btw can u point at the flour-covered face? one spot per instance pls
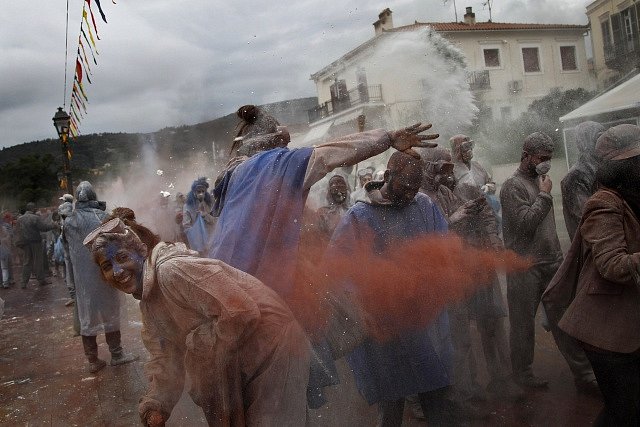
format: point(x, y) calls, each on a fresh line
point(403, 185)
point(122, 268)
point(200, 192)
point(338, 190)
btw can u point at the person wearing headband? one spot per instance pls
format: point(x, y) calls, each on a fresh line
point(245, 354)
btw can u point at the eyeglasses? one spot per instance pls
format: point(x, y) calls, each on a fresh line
point(467, 145)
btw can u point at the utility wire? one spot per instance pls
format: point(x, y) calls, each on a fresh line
point(66, 58)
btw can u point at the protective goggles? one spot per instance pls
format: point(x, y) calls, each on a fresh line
point(467, 145)
point(442, 167)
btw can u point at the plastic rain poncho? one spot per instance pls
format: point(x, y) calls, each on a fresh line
point(98, 303)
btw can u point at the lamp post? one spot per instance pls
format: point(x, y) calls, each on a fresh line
point(61, 121)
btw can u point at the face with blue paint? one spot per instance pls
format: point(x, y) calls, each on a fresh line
point(122, 267)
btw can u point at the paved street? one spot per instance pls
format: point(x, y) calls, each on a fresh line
point(44, 382)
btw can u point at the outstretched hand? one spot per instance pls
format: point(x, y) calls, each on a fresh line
point(405, 139)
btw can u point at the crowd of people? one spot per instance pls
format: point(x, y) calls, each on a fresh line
point(220, 292)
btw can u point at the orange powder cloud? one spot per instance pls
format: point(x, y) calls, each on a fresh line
point(404, 288)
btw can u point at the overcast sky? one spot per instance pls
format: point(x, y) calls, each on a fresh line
point(167, 63)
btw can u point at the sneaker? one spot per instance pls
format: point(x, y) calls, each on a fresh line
point(5, 286)
point(589, 388)
point(506, 389)
point(44, 282)
point(96, 365)
point(69, 302)
point(528, 380)
point(123, 358)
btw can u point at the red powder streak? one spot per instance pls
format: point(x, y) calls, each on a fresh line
point(404, 288)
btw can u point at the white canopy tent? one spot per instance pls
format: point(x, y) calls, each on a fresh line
point(622, 97)
point(618, 105)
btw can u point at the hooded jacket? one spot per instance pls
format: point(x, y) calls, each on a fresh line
point(580, 182)
point(98, 303)
point(247, 357)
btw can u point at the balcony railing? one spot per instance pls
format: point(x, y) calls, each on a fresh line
point(622, 55)
point(360, 95)
point(479, 80)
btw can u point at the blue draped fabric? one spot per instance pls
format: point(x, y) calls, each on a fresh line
point(258, 230)
point(260, 205)
point(420, 360)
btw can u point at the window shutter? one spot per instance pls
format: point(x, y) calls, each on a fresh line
point(634, 28)
point(616, 29)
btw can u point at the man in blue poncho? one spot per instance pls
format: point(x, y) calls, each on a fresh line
point(416, 361)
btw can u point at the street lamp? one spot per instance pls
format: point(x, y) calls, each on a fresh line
point(62, 121)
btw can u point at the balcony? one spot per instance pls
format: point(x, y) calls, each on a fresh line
point(623, 55)
point(479, 80)
point(358, 96)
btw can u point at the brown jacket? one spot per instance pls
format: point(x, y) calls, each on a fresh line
point(605, 311)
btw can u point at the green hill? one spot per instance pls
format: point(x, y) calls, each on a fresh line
point(95, 152)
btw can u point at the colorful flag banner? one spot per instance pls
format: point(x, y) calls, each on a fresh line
point(79, 98)
point(95, 27)
point(104, 18)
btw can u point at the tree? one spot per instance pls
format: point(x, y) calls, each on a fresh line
point(504, 139)
point(31, 178)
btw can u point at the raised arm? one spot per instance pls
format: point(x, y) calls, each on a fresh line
point(351, 149)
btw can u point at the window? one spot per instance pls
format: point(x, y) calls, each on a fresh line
point(629, 30)
point(568, 58)
point(491, 58)
point(606, 34)
point(531, 60)
point(505, 113)
point(628, 24)
point(339, 96)
point(363, 87)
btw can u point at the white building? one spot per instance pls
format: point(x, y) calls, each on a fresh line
point(508, 66)
point(615, 37)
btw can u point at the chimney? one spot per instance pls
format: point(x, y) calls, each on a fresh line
point(384, 22)
point(470, 17)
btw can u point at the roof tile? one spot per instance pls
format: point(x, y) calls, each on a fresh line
point(485, 26)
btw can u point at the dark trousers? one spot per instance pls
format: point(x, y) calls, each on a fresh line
point(434, 405)
point(524, 292)
point(569, 347)
point(618, 376)
point(495, 346)
point(91, 345)
point(32, 261)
